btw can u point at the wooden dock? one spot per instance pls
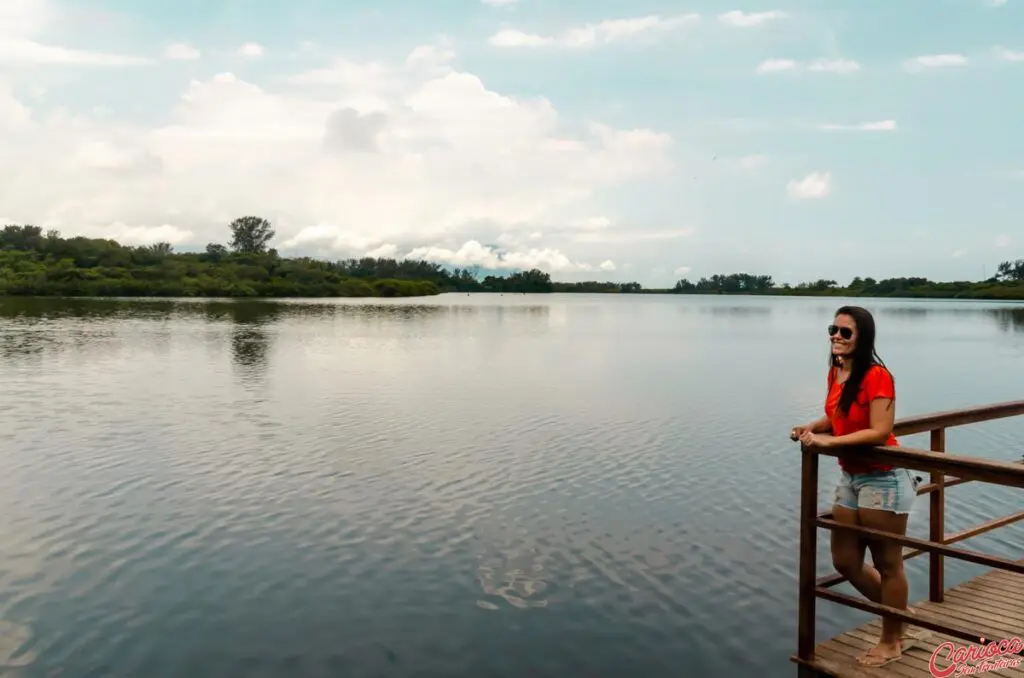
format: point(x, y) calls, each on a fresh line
point(986, 609)
point(992, 603)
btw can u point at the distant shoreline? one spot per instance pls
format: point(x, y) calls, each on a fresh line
point(34, 264)
point(1015, 293)
point(404, 288)
point(648, 292)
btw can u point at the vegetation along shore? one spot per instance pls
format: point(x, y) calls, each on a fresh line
point(34, 263)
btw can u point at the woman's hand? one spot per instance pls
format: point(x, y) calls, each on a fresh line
point(816, 439)
point(798, 431)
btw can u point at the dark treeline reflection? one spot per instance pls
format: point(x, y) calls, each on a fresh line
point(1009, 319)
point(27, 309)
point(737, 311)
point(250, 335)
point(37, 325)
point(1006, 318)
point(240, 311)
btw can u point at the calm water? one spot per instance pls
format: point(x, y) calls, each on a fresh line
point(464, 486)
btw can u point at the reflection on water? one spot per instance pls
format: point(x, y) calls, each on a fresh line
point(1009, 319)
point(251, 334)
point(457, 486)
point(516, 578)
point(250, 348)
point(909, 312)
point(738, 311)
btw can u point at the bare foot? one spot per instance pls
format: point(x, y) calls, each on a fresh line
point(881, 654)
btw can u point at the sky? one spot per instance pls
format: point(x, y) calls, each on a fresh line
point(647, 141)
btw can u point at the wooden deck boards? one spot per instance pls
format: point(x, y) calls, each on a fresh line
point(992, 603)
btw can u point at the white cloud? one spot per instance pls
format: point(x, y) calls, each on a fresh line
point(629, 236)
point(22, 24)
point(430, 55)
point(1003, 240)
point(147, 235)
point(777, 65)
point(181, 52)
point(14, 115)
point(607, 265)
point(958, 254)
point(31, 52)
point(102, 155)
point(251, 49)
point(24, 18)
point(385, 251)
point(878, 126)
point(840, 66)
point(510, 37)
point(1004, 54)
point(352, 158)
point(934, 61)
point(606, 32)
point(995, 3)
point(814, 186)
point(748, 19)
point(472, 253)
point(682, 270)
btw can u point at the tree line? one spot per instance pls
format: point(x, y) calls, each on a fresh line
point(1007, 283)
point(34, 263)
point(45, 264)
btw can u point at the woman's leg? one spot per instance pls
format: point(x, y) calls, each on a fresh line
point(885, 504)
point(848, 548)
point(848, 556)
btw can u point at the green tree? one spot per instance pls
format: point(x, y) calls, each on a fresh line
point(216, 252)
point(684, 286)
point(1011, 270)
point(250, 235)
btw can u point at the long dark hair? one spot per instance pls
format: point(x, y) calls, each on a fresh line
point(864, 354)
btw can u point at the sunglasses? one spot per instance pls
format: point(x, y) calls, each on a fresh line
point(844, 332)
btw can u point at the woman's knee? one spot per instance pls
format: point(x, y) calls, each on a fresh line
point(889, 562)
point(847, 565)
point(847, 548)
point(887, 556)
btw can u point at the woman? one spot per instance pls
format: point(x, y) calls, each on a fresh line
point(859, 410)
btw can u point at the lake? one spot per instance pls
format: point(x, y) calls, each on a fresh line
point(486, 485)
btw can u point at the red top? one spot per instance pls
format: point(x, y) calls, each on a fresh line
point(877, 383)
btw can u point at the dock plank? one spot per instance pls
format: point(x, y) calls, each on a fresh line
point(992, 603)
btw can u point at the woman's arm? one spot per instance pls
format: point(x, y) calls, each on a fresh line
point(822, 425)
point(882, 413)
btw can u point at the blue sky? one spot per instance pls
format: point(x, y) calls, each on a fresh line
point(643, 141)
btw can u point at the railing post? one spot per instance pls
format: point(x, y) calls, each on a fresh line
point(937, 523)
point(808, 556)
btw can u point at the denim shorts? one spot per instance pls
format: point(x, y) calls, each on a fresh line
point(893, 490)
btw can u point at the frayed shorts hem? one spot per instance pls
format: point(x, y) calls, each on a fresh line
point(893, 491)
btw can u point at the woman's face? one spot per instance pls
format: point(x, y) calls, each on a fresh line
point(843, 334)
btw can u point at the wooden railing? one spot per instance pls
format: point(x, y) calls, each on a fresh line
point(941, 465)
